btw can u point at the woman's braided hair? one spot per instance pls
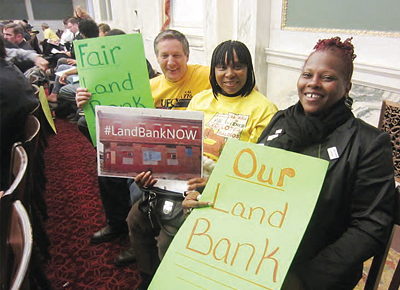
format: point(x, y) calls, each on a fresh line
point(343, 49)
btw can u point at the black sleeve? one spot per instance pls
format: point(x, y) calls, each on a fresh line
point(372, 208)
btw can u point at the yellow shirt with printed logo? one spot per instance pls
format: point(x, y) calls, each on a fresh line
point(243, 118)
point(177, 95)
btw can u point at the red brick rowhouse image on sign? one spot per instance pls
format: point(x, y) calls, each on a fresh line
point(132, 143)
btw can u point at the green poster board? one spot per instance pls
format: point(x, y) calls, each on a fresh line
point(262, 199)
point(46, 109)
point(114, 70)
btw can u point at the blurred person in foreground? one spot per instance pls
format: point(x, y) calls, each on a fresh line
point(17, 99)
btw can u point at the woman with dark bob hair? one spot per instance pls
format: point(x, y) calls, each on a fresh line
point(232, 108)
point(354, 212)
point(224, 54)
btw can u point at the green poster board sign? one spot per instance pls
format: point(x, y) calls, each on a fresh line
point(46, 109)
point(262, 199)
point(114, 70)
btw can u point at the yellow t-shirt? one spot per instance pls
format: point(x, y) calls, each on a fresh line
point(243, 118)
point(50, 34)
point(177, 95)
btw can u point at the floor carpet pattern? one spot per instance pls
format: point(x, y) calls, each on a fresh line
point(75, 213)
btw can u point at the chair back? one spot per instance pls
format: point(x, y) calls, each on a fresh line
point(18, 169)
point(379, 260)
point(35, 88)
point(32, 128)
point(395, 282)
point(389, 122)
point(6, 205)
point(36, 177)
point(20, 242)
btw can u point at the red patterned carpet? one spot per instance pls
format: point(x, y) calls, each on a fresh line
point(75, 213)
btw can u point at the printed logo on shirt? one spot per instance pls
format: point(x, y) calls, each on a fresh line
point(182, 102)
point(228, 125)
point(219, 129)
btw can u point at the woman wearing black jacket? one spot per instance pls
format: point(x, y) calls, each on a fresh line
point(353, 215)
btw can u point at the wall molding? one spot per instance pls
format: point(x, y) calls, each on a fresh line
point(379, 77)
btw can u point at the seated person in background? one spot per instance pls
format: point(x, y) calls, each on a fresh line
point(73, 26)
point(353, 215)
point(14, 33)
point(27, 59)
point(80, 13)
point(232, 80)
point(67, 36)
point(24, 24)
point(34, 42)
point(104, 28)
point(48, 33)
point(66, 97)
point(17, 99)
point(51, 40)
point(30, 35)
point(65, 78)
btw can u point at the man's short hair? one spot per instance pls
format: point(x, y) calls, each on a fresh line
point(66, 18)
point(73, 21)
point(104, 27)
point(16, 28)
point(45, 25)
point(171, 34)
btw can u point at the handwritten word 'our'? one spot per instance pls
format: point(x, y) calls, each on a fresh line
point(290, 172)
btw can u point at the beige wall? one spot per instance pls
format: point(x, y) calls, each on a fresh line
point(278, 54)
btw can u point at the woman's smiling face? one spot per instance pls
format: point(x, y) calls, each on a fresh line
point(231, 77)
point(322, 83)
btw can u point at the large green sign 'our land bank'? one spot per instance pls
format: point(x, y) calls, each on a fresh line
point(114, 70)
point(262, 200)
